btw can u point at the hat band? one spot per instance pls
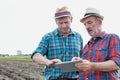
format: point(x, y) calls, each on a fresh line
point(89, 14)
point(62, 13)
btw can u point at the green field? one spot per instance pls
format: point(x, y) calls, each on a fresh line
point(20, 58)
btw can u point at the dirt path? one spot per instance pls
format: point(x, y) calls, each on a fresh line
point(20, 70)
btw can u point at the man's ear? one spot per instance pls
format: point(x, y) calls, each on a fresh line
point(100, 21)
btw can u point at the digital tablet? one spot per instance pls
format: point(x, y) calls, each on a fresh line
point(68, 66)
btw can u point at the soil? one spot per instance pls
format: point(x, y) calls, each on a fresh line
point(20, 70)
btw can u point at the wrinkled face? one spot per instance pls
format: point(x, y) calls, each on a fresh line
point(93, 25)
point(64, 24)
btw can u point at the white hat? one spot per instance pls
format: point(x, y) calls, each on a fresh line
point(91, 12)
point(62, 12)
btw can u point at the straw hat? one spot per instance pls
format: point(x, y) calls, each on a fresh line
point(62, 12)
point(91, 12)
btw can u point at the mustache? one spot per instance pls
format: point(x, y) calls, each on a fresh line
point(89, 29)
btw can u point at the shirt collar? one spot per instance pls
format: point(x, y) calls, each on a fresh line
point(101, 35)
point(56, 32)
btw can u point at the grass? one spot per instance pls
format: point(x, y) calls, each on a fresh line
point(17, 58)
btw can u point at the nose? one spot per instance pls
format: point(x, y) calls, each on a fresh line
point(63, 25)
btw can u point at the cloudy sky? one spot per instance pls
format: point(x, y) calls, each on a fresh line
point(24, 22)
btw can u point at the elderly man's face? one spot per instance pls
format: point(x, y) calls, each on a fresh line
point(64, 24)
point(92, 25)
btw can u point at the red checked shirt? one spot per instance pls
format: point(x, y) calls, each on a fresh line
point(102, 48)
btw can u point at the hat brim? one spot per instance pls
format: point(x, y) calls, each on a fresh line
point(62, 16)
point(97, 15)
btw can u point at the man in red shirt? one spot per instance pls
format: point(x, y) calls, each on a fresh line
point(101, 55)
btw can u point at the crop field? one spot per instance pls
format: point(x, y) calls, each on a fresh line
point(20, 68)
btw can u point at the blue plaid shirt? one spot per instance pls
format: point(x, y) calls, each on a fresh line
point(56, 46)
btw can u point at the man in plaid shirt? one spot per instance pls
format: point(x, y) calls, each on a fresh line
point(101, 55)
point(62, 44)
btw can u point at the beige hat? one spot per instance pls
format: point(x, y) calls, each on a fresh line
point(91, 12)
point(62, 12)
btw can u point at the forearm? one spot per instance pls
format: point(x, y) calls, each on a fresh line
point(104, 66)
point(39, 59)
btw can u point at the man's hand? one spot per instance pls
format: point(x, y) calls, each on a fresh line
point(52, 62)
point(85, 65)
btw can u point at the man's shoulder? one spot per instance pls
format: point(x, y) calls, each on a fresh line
point(112, 35)
point(108, 35)
point(50, 34)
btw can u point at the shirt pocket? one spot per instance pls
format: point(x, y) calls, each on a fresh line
point(101, 54)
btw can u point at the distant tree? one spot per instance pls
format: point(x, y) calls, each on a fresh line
point(4, 55)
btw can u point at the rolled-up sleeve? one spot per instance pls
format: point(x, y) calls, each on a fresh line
point(115, 49)
point(42, 47)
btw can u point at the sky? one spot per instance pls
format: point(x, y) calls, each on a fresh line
point(24, 22)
